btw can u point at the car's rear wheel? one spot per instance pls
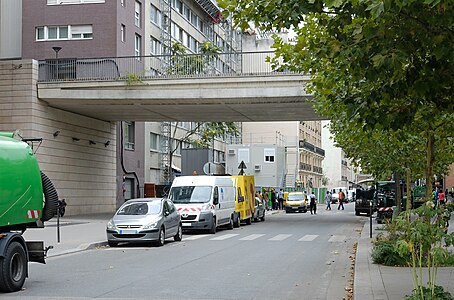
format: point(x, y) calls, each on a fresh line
point(179, 236)
point(161, 237)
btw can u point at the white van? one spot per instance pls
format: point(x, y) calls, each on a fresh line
point(204, 202)
point(335, 193)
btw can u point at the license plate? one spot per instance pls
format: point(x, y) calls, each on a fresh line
point(295, 207)
point(128, 232)
point(186, 224)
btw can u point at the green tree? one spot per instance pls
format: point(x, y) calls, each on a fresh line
point(388, 64)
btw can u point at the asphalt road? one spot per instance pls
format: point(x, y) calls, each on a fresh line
point(289, 256)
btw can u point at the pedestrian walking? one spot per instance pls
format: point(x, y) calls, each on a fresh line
point(274, 199)
point(328, 200)
point(280, 199)
point(266, 199)
point(341, 199)
point(441, 197)
point(313, 203)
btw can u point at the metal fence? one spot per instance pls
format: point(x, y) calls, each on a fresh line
point(134, 68)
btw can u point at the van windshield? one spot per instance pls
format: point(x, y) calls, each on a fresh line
point(190, 194)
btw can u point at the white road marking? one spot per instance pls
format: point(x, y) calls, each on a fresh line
point(280, 237)
point(194, 237)
point(224, 237)
point(337, 238)
point(251, 237)
point(308, 238)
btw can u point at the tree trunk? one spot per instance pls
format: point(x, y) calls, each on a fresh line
point(429, 163)
point(398, 193)
point(408, 205)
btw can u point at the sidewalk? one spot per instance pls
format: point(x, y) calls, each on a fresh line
point(77, 233)
point(377, 282)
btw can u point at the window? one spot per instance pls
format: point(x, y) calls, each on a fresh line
point(269, 155)
point(154, 141)
point(81, 32)
point(155, 15)
point(67, 32)
point(155, 46)
point(129, 133)
point(194, 19)
point(187, 12)
point(178, 6)
point(243, 155)
point(138, 46)
point(123, 33)
point(138, 8)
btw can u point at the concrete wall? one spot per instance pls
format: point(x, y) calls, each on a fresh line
point(83, 173)
point(10, 29)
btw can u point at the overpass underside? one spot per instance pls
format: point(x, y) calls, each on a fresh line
point(238, 98)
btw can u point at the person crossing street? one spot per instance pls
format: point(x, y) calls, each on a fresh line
point(341, 199)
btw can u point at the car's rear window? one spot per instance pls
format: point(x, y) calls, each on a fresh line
point(140, 208)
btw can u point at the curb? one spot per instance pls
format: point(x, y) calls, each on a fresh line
point(368, 282)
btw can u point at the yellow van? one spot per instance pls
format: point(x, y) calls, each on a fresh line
point(296, 202)
point(244, 199)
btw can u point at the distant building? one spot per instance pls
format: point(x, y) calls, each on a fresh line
point(265, 161)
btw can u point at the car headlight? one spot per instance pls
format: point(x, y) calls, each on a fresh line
point(151, 225)
point(110, 224)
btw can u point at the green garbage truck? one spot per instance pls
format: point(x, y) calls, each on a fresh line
point(27, 199)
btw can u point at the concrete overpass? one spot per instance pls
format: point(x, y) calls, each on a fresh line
point(258, 98)
point(102, 89)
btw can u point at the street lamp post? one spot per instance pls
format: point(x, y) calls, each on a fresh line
point(56, 49)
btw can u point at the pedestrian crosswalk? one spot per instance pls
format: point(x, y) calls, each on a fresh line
point(269, 237)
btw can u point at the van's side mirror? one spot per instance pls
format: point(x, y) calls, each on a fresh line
point(215, 200)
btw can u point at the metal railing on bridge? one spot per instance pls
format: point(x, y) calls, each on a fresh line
point(137, 68)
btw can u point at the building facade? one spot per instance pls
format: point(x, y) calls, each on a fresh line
point(97, 165)
point(302, 144)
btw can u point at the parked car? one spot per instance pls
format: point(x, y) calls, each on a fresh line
point(145, 220)
point(259, 212)
point(296, 202)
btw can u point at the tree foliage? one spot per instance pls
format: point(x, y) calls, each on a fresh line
point(380, 69)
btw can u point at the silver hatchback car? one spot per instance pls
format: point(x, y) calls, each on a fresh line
point(145, 220)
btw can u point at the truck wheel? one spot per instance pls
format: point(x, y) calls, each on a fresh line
point(230, 225)
point(213, 226)
point(237, 222)
point(13, 268)
point(356, 213)
point(50, 197)
point(249, 221)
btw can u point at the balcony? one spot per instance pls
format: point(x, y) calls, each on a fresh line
point(305, 167)
point(318, 170)
point(311, 148)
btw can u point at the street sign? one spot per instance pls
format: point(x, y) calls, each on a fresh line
point(209, 168)
point(242, 166)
